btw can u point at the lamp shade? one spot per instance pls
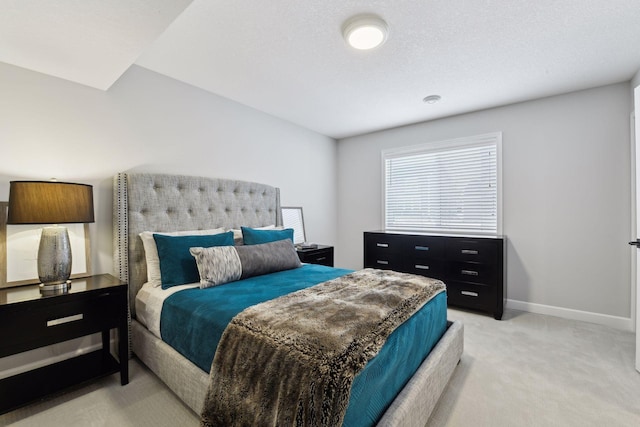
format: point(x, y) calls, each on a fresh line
point(49, 202)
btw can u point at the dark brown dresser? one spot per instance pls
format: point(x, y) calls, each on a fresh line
point(472, 267)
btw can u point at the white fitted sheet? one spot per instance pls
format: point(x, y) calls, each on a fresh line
point(149, 301)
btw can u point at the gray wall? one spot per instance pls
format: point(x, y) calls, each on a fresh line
point(566, 195)
point(635, 80)
point(147, 122)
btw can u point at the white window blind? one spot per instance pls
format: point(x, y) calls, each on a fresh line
point(449, 186)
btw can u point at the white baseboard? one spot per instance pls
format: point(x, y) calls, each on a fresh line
point(622, 323)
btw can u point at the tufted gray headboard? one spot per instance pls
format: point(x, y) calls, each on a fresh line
point(161, 202)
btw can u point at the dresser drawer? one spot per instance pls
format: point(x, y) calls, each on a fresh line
point(383, 251)
point(426, 267)
point(423, 246)
point(470, 295)
point(43, 324)
point(474, 250)
point(472, 272)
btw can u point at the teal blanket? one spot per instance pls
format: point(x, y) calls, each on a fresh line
point(193, 321)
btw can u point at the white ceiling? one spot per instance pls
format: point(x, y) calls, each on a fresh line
point(287, 57)
point(92, 42)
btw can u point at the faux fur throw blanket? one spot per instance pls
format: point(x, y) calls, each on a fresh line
point(291, 361)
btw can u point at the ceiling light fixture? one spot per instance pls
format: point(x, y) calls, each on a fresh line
point(365, 32)
point(431, 99)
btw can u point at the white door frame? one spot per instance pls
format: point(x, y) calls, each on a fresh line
point(635, 226)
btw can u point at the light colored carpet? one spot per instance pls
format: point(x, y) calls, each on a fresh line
point(526, 370)
point(535, 370)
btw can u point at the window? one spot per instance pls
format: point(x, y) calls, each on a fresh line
point(448, 187)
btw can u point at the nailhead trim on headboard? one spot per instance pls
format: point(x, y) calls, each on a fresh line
point(120, 231)
point(121, 238)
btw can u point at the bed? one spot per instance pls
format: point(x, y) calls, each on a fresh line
point(168, 203)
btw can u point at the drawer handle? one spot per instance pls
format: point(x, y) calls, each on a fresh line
point(322, 258)
point(469, 252)
point(422, 248)
point(64, 320)
point(382, 262)
point(469, 293)
point(422, 267)
point(469, 272)
point(382, 245)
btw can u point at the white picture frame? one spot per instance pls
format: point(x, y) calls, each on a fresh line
point(292, 217)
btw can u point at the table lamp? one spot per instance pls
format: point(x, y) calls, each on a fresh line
point(51, 202)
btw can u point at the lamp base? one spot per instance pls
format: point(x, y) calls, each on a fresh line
point(59, 288)
point(54, 257)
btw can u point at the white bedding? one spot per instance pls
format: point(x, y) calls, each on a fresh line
point(149, 302)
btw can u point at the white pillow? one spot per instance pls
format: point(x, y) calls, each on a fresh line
point(151, 252)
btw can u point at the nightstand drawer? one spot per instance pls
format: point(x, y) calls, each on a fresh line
point(43, 324)
point(470, 295)
point(322, 258)
point(322, 255)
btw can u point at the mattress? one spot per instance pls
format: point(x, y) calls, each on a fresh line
point(192, 320)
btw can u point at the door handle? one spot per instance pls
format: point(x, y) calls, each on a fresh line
point(635, 242)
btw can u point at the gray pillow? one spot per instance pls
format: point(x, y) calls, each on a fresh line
point(223, 264)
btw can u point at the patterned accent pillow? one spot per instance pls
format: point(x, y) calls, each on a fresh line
point(219, 265)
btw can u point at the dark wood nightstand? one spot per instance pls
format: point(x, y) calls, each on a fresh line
point(29, 319)
point(322, 255)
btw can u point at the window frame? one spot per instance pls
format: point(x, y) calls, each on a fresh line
point(444, 145)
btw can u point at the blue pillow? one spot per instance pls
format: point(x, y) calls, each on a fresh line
point(251, 236)
point(177, 266)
